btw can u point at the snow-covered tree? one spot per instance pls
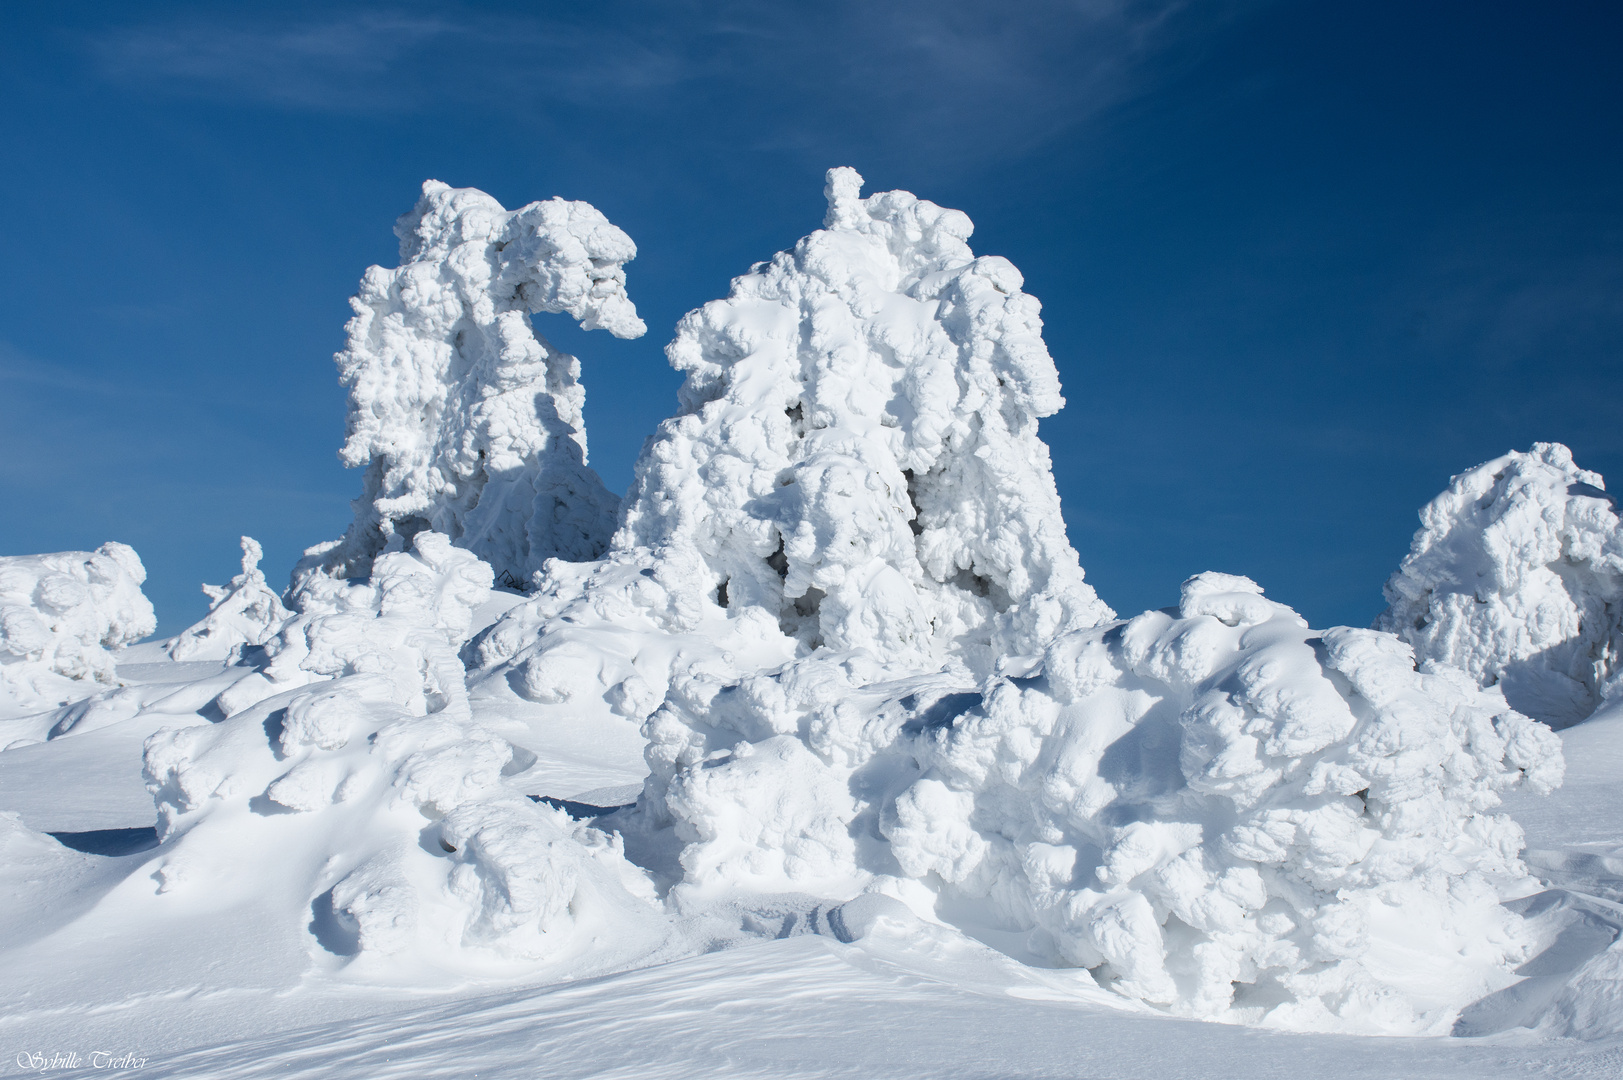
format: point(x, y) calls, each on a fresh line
point(466, 421)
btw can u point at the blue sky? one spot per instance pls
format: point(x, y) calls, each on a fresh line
point(1299, 262)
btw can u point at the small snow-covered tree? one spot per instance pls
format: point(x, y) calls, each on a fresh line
point(467, 421)
point(1516, 578)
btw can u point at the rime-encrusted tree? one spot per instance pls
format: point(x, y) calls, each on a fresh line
point(1516, 578)
point(857, 446)
point(468, 422)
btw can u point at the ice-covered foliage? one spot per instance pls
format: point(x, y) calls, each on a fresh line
point(1516, 578)
point(468, 422)
point(361, 723)
point(63, 615)
point(1218, 811)
point(857, 449)
point(244, 612)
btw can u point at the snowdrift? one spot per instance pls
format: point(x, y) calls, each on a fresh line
point(1515, 578)
point(875, 687)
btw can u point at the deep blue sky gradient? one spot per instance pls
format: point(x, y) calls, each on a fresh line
point(1299, 262)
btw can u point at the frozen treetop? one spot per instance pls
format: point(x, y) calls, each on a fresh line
point(857, 445)
point(467, 422)
point(1514, 578)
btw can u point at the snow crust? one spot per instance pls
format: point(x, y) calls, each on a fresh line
point(467, 421)
point(1516, 578)
point(63, 617)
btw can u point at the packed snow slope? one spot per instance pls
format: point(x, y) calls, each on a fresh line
point(826, 712)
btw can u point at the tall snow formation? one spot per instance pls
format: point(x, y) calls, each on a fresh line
point(1516, 578)
point(63, 615)
point(244, 612)
point(1218, 811)
point(468, 422)
point(857, 451)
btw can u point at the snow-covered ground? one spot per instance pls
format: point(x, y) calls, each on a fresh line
point(816, 756)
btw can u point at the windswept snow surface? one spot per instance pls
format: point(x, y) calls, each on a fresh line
point(828, 762)
point(1516, 578)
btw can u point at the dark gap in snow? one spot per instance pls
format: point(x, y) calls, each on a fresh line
point(721, 593)
point(940, 713)
point(778, 561)
point(913, 501)
point(332, 930)
point(112, 842)
point(578, 810)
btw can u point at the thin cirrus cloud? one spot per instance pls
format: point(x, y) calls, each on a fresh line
point(909, 74)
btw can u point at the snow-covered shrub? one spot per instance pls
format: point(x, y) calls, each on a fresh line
point(1516, 578)
point(467, 422)
point(244, 612)
point(411, 841)
point(61, 617)
point(1221, 812)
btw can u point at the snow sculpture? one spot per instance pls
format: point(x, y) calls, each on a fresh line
point(857, 449)
point(1515, 578)
point(61, 617)
point(1220, 812)
point(469, 423)
point(362, 723)
point(244, 612)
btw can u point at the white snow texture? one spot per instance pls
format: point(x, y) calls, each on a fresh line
point(840, 601)
point(1515, 578)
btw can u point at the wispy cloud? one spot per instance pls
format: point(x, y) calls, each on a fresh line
point(911, 72)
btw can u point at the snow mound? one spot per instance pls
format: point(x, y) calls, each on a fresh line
point(468, 422)
point(857, 451)
point(1515, 578)
point(61, 618)
point(244, 612)
point(1219, 811)
point(408, 842)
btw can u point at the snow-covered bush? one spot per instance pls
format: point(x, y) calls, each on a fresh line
point(244, 612)
point(61, 617)
point(410, 841)
point(1516, 578)
point(467, 422)
point(1221, 812)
